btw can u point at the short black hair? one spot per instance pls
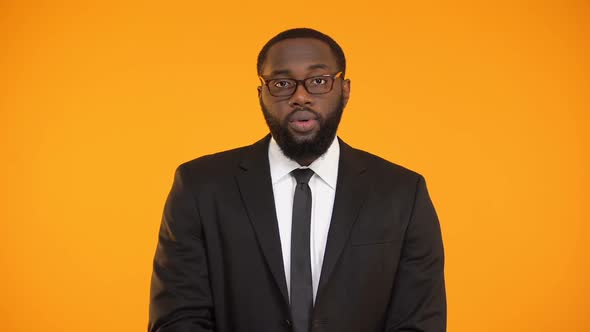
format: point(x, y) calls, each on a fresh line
point(303, 33)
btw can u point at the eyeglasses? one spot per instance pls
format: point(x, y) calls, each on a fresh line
point(286, 87)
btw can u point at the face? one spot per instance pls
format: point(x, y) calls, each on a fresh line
point(303, 124)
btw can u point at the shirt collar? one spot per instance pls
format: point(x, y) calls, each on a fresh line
point(325, 166)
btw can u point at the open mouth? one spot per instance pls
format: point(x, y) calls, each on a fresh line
point(303, 121)
point(303, 126)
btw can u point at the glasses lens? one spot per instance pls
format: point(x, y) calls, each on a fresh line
point(282, 87)
point(319, 84)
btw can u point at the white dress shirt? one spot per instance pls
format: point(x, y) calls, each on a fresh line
point(323, 190)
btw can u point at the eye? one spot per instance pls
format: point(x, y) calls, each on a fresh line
point(318, 81)
point(282, 84)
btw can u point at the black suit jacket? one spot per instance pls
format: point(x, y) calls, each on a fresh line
point(218, 264)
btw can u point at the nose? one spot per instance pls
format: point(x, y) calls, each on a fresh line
point(300, 97)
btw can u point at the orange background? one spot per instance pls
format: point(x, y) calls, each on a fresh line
point(99, 103)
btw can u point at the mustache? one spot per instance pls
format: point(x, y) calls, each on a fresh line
point(303, 109)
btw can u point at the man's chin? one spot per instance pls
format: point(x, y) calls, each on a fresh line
point(303, 138)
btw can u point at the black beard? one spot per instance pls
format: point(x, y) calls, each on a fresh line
point(309, 149)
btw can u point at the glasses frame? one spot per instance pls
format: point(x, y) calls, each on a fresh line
point(265, 82)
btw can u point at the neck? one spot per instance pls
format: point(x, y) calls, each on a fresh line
point(305, 161)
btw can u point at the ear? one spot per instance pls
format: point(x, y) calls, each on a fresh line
point(345, 91)
point(259, 88)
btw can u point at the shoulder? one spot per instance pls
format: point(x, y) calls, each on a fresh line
point(213, 170)
point(388, 180)
point(216, 163)
point(381, 167)
point(221, 166)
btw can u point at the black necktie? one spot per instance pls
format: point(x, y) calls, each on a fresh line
point(301, 288)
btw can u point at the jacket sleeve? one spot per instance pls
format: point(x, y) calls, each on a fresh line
point(418, 298)
point(180, 294)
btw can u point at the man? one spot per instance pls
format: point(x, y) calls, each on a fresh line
point(298, 231)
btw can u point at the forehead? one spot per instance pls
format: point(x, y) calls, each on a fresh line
point(299, 56)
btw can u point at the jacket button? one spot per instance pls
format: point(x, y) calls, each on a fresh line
point(288, 323)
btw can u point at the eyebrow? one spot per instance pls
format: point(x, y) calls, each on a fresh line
point(288, 72)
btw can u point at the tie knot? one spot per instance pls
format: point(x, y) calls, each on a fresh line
point(302, 175)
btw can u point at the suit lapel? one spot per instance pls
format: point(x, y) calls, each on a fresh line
point(255, 186)
point(351, 189)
